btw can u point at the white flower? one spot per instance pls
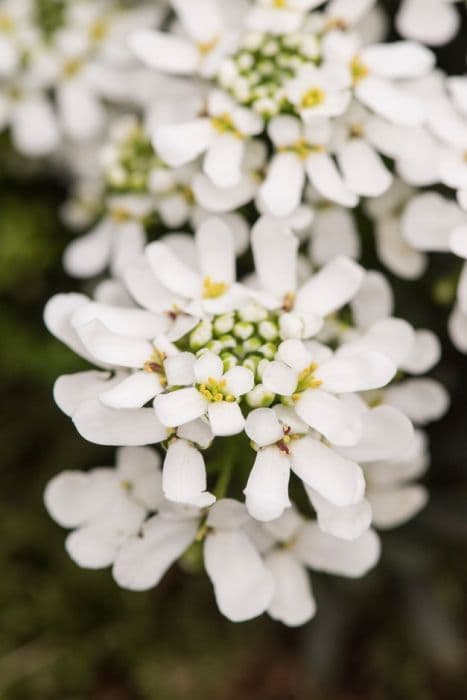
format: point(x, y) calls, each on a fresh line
point(318, 92)
point(377, 71)
point(279, 17)
point(215, 394)
point(296, 544)
point(210, 28)
point(314, 387)
point(222, 135)
point(105, 506)
point(243, 586)
point(284, 442)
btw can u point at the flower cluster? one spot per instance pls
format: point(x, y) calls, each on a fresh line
point(232, 325)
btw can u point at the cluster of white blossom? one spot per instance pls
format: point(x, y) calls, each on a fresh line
point(227, 155)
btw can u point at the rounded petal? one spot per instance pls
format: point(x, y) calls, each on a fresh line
point(242, 584)
point(164, 51)
point(133, 392)
point(281, 191)
point(399, 59)
point(113, 348)
point(360, 372)
point(178, 144)
point(293, 602)
point(71, 390)
point(275, 253)
point(332, 555)
point(422, 400)
point(94, 546)
point(208, 366)
point(267, 488)
point(110, 426)
point(362, 168)
point(346, 523)
point(263, 427)
point(326, 178)
point(335, 478)
point(180, 406)
point(330, 288)
point(89, 255)
point(184, 475)
point(223, 160)
point(239, 381)
point(279, 378)
point(226, 418)
point(394, 506)
point(387, 434)
point(330, 416)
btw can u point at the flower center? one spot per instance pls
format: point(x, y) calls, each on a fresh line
point(130, 159)
point(72, 67)
point(284, 443)
point(257, 75)
point(224, 124)
point(213, 290)
point(155, 365)
point(214, 390)
point(6, 23)
point(358, 69)
point(98, 31)
point(306, 380)
point(313, 98)
point(302, 149)
point(205, 47)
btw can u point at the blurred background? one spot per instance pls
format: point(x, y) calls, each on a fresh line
point(70, 634)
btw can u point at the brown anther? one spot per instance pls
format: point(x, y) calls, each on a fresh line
point(288, 302)
point(283, 447)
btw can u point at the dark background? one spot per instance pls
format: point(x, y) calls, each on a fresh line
point(70, 634)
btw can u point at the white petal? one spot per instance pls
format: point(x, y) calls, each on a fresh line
point(227, 514)
point(393, 337)
point(239, 381)
point(208, 366)
point(34, 129)
point(293, 602)
point(425, 353)
point(390, 101)
point(225, 418)
point(372, 301)
point(458, 329)
point(88, 255)
point(197, 431)
point(349, 12)
point(335, 478)
point(267, 488)
point(113, 348)
point(325, 176)
point(70, 390)
point(82, 113)
point(331, 288)
point(458, 241)
point(346, 523)
point(223, 199)
point(133, 392)
point(130, 239)
point(263, 427)
point(178, 144)
point(223, 160)
point(164, 51)
point(329, 416)
point(275, 254)
point(394, 506)
point(362, 168)
point(216, 251)
point(179, 369)
point(94, 546)
point(422, 400)
point(399, 59)
point(280, 379)
point(172, 272)
point(184, 475)
point(335, 556)
point(284, 130)
point(57, 318)
point(428, 220)
point(282, 190)
point(432, 22)
point(180, 406)
point(73, 498)
point(294, 354)
point(334, 233)
point(131, 322)
point(359, 372)
point(387, 434)
point(200, 18)
point(146, 289)
point(142, 561)
point(242, 585)
point(140, 467)
point(109, 426)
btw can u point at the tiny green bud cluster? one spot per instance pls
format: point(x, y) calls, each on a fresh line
point(129, 159)
point(257, 74)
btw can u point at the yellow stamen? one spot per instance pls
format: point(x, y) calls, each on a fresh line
point(289, 301)
point(279, 3)
point(6, 23)
point(358, 69)
point(356, 131)
point(224, 124)
point(98, 30)
point(120, 214)
point(213, 290)
point(72, 67)
point(312, 98)
point(205, 47)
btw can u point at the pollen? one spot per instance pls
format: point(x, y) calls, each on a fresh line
point(358, 69)
point(289, 301)
point(205, 47)
point(72, 67)
point(313, 98)
point(98, 30)
point(213, 290)
point(224, 124)
point(6, 23)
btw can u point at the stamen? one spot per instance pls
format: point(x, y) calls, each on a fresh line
point(213, 290)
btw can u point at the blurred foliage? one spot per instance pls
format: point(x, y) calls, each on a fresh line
point(69, 634)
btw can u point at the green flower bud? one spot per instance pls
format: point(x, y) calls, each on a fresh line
point(223, 324)
point(243, 330)
point(260, 397)
point(201, 335)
